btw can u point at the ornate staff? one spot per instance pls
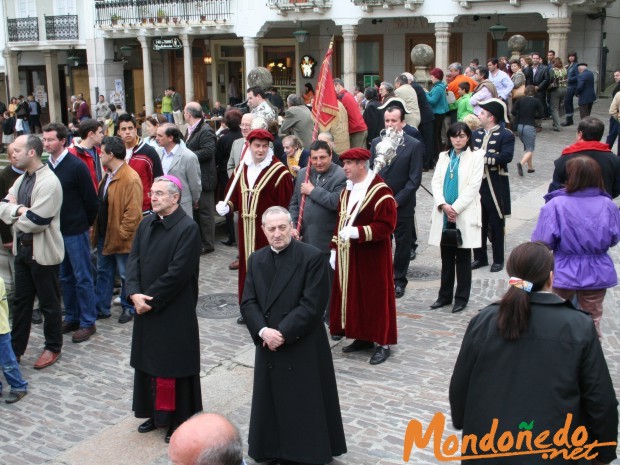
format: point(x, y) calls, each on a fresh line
point(324, 109)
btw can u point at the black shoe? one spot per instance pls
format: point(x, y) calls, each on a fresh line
point(381, 355)
point(228, 243)
point(15, 396)
point(478, 264)
point(337, 337)
point(205, 251)
point(458, 308)
point(439, 303)
point(399, 291)
point(147, 426)
point(357, 345)
point(103, 316)
point(568, 122)
point(70, 326)
point(169, 434)
point(520, 169)
point(125, 317)
point(495, 267)
point(412, 255)
point(531, 171)
point(37, 319)
point(240, 321)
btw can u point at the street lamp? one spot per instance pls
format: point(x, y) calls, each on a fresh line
point(498, 30)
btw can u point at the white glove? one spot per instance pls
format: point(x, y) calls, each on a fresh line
point(490, 160)
point(222, 209)
point(332, 259)
point(349, 232)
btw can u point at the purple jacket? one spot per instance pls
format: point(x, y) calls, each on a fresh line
point(580, 228)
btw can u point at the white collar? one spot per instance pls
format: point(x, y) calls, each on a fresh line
point(360, 185)
point(263, 164)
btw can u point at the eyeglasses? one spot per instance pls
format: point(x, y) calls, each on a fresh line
point(245, 126)
point(157, 194)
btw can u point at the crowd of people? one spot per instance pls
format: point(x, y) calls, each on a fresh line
point(313, 222)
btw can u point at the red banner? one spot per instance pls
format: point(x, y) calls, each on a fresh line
point(325, 104)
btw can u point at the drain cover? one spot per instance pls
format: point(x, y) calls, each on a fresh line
point(217, 306)
point(423, 274)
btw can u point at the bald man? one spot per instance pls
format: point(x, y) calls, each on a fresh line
point(206, 439)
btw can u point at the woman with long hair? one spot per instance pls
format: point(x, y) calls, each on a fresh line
point(571, 87)
point(532, 359)
point(151, 125)
point(558, 77)
point(308, 94)
point(456, 185)
point(580, 223)
point(525, 111)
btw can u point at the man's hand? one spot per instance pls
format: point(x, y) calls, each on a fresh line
point(306, 188)
point(295, 234)
point(140, 303)
point(272, 338)
point(8, 246)
point(222, 209)
point(349, 232)
point(11, 199)
point(332, 259)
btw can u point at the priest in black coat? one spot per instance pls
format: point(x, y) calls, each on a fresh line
point(162, 283)
point(295, 408)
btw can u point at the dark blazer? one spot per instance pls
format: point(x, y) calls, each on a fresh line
point(404, 173)
point(610, 169)
point(541, 78)
point(556, 367)
point(321, 207)
point(573, 72)
point(529, 77)
point(585, 87)
point(373, 117)
point(297, 380)
point(426, 112)
point(202, 142)
point(164, 263)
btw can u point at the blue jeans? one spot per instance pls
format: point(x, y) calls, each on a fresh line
point(107, 266)
point(9, 364)
point(613, 132)
point(77, 281)
point(169, 117)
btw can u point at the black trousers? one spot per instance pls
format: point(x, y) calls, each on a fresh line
point(402, 251)
point(585, 110)
point(32, 279)
point(427, 131)
point(437, 127)
point(491, 221)
point(453, 258)
point(414, 233)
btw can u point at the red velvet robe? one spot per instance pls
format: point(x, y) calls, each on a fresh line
point(363, 305)
point(274, 186)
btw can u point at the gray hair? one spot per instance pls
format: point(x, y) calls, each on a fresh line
point(172, 187)
point(389, 87)
point(258, 122)
point(456, 65)
point(294, 100)
point(227, 453)
point(194, 109)
point(276, 209)
point(410, 77)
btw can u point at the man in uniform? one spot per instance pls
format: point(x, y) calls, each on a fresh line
point(295, 395)
point(403, 174)
point(162, 284)
point(362, 302)
point(264, 182)
point(499, 144)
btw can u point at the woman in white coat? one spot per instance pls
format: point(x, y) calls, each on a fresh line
point(456, 186)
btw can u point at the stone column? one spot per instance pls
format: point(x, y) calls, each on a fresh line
point(251, 54)
point(349, 55)
point(188, 68)
point(12, 73)
point(53, 85)
point(145, 43)
point(558, 29)
point(442, 45)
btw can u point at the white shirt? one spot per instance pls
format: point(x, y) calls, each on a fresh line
point(58, 160)
point(358, 191)
point(254, 170)
point(166, 158)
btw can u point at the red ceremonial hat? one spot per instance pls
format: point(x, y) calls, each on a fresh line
point(260, 134)
point(355, 154)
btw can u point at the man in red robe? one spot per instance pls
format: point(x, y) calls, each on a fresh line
point(264, 182)
point(362, 302)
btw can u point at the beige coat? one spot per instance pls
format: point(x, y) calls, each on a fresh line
point(467, 205)
point(614, 108)
point(407, 93)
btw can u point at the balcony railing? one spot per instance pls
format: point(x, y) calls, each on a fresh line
point(298, 5)
point(63, 27)
point(23, 29)
point(135, 12)
point(367, 4)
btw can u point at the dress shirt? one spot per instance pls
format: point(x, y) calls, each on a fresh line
point(166, 158)
point(358, 191)
point(254, 170)
point(503, 84)
point(58, 160)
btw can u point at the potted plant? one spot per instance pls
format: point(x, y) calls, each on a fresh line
point(115, 19)
point(200, 8)
point(161, 15)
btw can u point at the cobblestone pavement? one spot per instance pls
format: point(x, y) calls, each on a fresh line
point(78, 411)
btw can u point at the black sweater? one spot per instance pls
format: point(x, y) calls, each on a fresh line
point(526, 110)
point(79, 199)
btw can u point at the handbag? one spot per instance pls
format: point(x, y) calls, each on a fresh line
point(518, 92)
point(451, 236)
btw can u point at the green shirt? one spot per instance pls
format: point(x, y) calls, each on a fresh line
point(166, 104)
point(463, 107)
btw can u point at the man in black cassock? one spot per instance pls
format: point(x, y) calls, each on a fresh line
point(295, 408)
point(162, 283)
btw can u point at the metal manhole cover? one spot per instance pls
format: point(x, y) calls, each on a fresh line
point(218, 306)
point(423, 273)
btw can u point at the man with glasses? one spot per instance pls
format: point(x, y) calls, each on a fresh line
point(120, 213)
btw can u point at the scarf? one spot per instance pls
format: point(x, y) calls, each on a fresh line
point(584, 145)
